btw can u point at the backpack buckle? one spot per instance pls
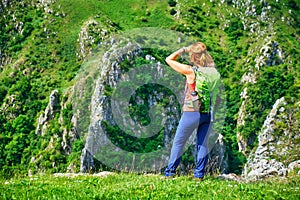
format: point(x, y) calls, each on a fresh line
point(194, 93)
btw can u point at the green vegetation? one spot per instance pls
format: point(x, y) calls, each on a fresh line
point(133, 186)
point(135, 14)
point(42, 55)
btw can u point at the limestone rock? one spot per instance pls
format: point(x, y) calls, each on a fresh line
point(267, 159)
point(218, 161)
point(49, 113)
point(229, 177)
point(294, 166)
point(86, 161)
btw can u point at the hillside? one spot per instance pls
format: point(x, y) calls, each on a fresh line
point(61, 62)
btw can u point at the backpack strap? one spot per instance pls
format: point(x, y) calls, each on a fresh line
point(211, 107)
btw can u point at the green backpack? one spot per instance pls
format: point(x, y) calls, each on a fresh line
point(207, 87)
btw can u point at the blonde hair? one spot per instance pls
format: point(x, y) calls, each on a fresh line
point(199, 55)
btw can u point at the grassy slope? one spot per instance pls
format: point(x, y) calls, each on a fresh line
point(63, 66)
point(134, 13)
point(132, 186)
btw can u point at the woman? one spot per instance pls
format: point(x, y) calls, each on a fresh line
point(192, 117)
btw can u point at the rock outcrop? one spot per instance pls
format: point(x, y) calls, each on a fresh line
point(218, 161)
point(270, 54)
point(100, 108)
point(273, 145)
point(49, 113)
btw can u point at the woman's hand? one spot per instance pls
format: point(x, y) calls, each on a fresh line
point(177, 53)
point(186, 49)
point(179, 67)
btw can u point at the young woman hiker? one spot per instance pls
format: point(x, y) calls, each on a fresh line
point(195, 115)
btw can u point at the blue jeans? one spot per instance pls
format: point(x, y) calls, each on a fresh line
point(188, 123)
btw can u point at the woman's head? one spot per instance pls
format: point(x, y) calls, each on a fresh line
point(199, 55)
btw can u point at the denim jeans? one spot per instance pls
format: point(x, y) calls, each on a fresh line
point(188, 123)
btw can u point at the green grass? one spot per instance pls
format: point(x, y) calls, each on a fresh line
point(133, 186)
point(135, 13)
